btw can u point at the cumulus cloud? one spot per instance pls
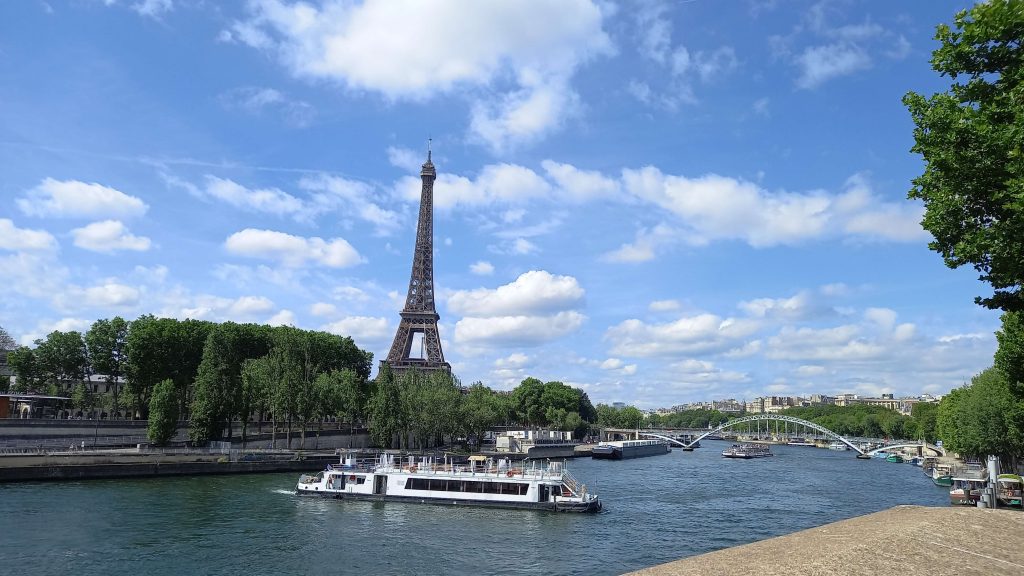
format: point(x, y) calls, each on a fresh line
point(293, 251)
point(819, 64)
point(482, 268)
point(577, 185)
point(74, 199)
point(111, 295)
point(362, 329)
point(282, 318)
point(409, 50)
point(500, 331)
point(533, 292)
point(496, 184)
point(535, 308)
point(663, 306)
point(701, 334)
point(18, 239)
point(108, 236)
point(266, 200)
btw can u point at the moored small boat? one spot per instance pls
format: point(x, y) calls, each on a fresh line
point(1009, 490)
point(838, 446)
point(942, 475)
point(894, 458)
point(968, 483)
point(481, 482)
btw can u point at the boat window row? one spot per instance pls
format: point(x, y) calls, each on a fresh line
point(442, 485)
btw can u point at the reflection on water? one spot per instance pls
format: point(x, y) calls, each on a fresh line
point(657, 509)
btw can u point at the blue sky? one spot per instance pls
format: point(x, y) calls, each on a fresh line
point(659, 202)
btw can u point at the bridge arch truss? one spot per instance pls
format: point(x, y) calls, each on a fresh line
point(778, 418)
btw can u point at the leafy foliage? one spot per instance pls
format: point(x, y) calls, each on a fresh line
point(972, 142)
point(983, 419)
point(163, 413)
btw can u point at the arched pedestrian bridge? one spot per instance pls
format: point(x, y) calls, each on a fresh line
point(800, 422)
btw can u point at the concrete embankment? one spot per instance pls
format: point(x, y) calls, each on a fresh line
point(905, 540)
point(89, 467)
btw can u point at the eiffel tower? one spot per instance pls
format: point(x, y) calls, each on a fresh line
point(419, 317)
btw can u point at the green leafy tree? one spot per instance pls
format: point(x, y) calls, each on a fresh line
point(973, 146)
point(1009, 357)
point(983, 419)
point(82, 398)
point(480, 411)
point(163, 413)
point(385, 408)
point(106, 342)
point(925, 415)
point(27, 372)
point(63, 358)
point(529, 403)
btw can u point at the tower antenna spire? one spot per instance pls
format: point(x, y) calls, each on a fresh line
point(429, 140)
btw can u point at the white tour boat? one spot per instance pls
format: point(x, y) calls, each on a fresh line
point(747, 451)
point(480, 482)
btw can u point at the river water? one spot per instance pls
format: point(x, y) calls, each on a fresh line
point(656, 509)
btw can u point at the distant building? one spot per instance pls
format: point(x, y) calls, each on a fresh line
point(618, 405)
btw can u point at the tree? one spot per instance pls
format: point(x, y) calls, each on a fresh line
point(925, 415)
point(1009, 357)
point(106, 342)
point(479, 411)
point(82, 398)
point(386, 417)
point(163, 413)
point(63, 358)
point(26, 369)
point(6, 341)
point(971, 140)
point(983, 419)
point(528, 400)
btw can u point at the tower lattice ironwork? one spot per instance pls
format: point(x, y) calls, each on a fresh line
point(419, 317)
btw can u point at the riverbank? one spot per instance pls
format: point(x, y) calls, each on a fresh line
point(906, 540)
point(127, 464)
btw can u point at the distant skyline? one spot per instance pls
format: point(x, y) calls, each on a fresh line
point(658, 202)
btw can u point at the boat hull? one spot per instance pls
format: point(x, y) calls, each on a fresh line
point(627, 452)
point(581, 507)
point(944, 481)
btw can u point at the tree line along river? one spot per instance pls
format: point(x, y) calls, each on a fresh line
point(656, 509)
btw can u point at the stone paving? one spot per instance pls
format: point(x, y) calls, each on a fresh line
point(903, 541)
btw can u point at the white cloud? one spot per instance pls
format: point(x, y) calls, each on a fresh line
point(153, 8)
point(818, 64)
point(282, 318)
point(482, 268)
point(496, 184)
point(267, 200)
point(108, 236)
point(350, 197)
point(535, 308)
point(532, 293)
point(74, 199)
point(646, 245)
point(323, 309)
point(406, 159)
point(111, 295)
point(714, 207)
point(809, 370)
point(362, 329)
point(411, 50)
point(663, 306)
point(67, 324)
point(255, 101)
point(292, 251)
point(514, 360)
point(501, 331)
point(701, 334)
point(18, 239)
point(577, 185)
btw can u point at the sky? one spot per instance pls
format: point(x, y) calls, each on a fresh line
point(658, 202)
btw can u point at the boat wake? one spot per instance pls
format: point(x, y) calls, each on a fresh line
point(280, 491)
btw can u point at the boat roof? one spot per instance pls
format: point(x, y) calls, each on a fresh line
point(478, 458)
